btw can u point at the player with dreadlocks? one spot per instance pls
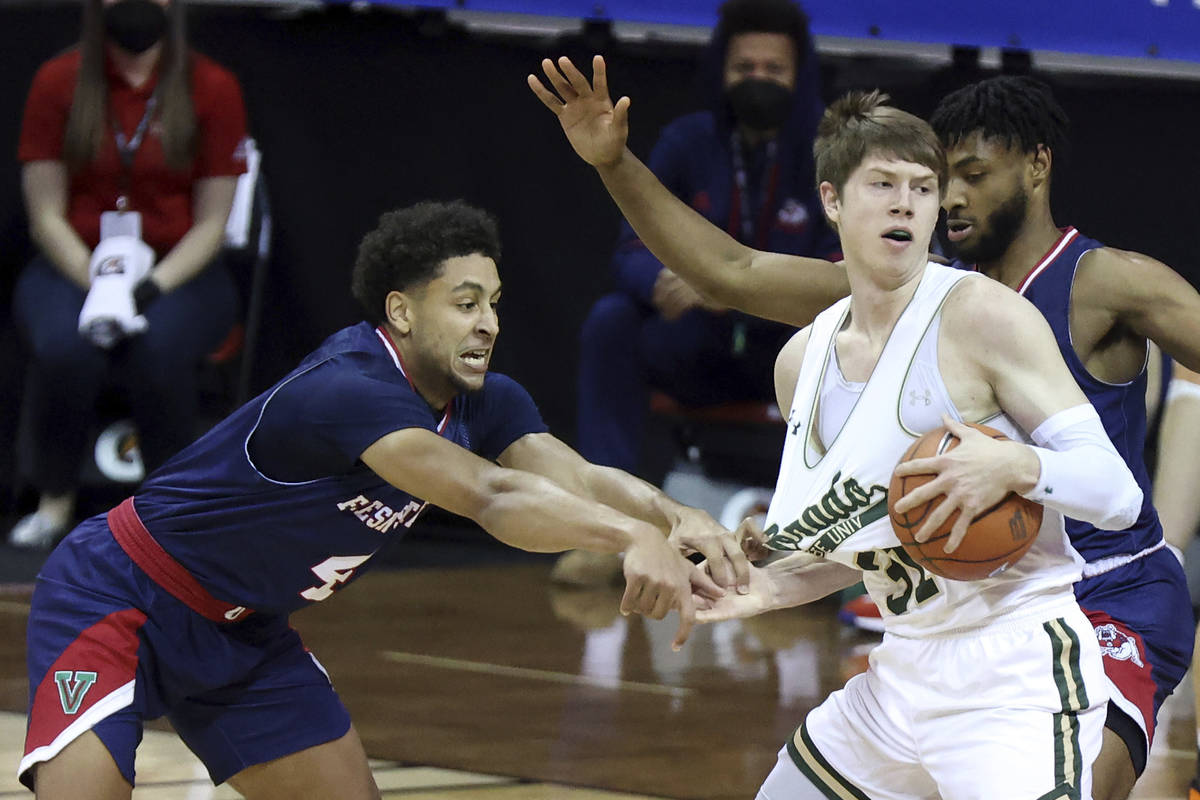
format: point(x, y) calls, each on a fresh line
point(1003, 136)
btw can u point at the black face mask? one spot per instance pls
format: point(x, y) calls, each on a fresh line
point(760, 104)
point(135, 25)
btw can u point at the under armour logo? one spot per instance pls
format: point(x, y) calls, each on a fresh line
point(72, 686)
point(795, 426)
point(919, 399)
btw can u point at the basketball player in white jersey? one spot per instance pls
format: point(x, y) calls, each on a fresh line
point(983, 689)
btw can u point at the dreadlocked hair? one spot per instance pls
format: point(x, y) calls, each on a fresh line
point(861, 124)
point(1017, 110)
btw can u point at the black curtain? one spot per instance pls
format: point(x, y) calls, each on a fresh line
point(360, 112)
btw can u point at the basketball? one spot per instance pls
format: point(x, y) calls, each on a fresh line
point(996, 538)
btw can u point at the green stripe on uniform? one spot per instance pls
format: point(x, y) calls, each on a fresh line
point(1068, 759)
point(818, 771)
point(1061, 793)
point(1068, 678)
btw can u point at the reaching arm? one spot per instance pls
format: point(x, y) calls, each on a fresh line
point(211, 200)
point(530, 512)
point(1146, 297)
point(635, 269)
point(791, 581)
point(789, 289)
point(1177, 479)
point(690, 529)
point(44, 184)
point(517, 507)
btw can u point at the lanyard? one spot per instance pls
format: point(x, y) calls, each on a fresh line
point(742, 224)
point(742, 214)
point(127, 148)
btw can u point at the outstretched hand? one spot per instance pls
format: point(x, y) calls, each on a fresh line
point(760, 596)
point(658, 579)
point(697, 532)
point(595, 127)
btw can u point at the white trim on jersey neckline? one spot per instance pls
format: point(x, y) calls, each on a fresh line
point(1068, 236)
point(390, 346)
point(387, 343)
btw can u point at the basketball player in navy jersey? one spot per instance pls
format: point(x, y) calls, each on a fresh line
point(176, 602)
point(1002, 136)
point(1102, 305)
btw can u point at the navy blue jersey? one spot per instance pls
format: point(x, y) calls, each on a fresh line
point(272, 508)
point(1121, 406)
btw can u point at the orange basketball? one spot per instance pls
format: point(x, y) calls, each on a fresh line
point(995, 539)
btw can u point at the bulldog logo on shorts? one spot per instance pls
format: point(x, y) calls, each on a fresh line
point(1117, 644)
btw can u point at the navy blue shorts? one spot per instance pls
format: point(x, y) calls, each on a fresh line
point(1142, 615)
point(109, 648)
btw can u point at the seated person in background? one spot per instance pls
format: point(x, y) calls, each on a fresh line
point(129, 120)
point(747, 166)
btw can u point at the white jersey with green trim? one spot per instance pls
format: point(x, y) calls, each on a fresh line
point(830, 500)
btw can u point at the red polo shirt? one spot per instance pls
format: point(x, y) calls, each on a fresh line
point(163, 196)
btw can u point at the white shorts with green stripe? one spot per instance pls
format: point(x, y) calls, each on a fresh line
point(1013, 711)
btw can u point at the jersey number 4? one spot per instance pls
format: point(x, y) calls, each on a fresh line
point(333, 570)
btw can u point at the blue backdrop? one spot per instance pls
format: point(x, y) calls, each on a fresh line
point(1161, 29)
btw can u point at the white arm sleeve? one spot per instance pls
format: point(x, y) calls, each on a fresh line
point(1083, 476)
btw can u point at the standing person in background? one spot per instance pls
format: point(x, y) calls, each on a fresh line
point(746, 165)
point(130, 120)
point(1176, 483)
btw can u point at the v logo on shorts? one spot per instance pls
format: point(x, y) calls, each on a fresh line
point(72, 686)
